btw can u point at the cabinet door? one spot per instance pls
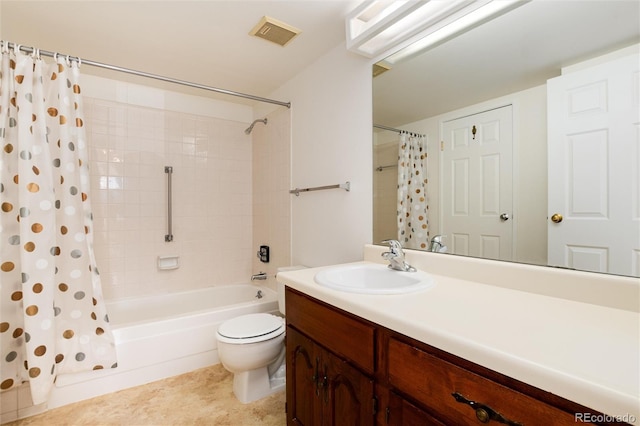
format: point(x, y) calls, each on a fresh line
point(323, 389)
point(302, 368)
point(349, 394)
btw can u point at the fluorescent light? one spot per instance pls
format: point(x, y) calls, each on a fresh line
point(372, 17)
point(378, 26)
point(482, 14)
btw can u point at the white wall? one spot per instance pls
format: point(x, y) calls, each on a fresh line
point(331, 144)
point(271, 147)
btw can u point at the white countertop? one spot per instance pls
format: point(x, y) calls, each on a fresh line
point(584, 352)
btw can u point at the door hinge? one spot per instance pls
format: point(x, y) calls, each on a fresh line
point(441, 145)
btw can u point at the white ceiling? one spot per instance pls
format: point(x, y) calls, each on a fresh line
point(205, 42)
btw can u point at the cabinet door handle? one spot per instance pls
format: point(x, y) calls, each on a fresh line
point(315, 377)
point(324, 384)
point(484, 413)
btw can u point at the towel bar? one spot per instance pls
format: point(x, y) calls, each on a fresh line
point(346, 186)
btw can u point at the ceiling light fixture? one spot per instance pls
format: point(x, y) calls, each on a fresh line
point(380, 27)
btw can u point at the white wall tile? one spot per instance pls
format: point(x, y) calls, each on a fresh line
point(221, 176)
point(130, 143)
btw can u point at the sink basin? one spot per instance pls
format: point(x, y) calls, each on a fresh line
point(373, 279)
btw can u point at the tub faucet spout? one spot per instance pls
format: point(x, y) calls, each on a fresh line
point(260, 276)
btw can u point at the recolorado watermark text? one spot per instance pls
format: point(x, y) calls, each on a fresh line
point(603, 418)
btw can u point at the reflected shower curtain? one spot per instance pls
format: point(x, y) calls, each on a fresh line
point(413, 225)
point(52, 315)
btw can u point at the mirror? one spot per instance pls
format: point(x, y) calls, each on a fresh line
point(504, 62)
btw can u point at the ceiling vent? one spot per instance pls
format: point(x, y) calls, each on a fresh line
point(274, 31)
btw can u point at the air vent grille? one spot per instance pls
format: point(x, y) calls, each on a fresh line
point(274, 31)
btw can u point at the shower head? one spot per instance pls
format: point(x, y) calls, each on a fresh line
point(250, 128)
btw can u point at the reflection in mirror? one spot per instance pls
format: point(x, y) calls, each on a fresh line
point(532, 128)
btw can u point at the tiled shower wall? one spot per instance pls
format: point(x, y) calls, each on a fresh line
point(130, 145)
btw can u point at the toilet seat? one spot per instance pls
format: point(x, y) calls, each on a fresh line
point(251, 328)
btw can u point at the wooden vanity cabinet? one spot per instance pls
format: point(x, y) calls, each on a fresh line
point(344, 370)
point(330, 362)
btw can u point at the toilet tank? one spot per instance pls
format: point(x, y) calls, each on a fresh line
point(280, 286)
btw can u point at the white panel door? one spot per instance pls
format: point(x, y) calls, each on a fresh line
point(477, 184)
point(594, 190)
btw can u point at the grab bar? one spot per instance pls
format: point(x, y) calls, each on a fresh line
point(346, 186)
point(381, 168)
point(169, 236)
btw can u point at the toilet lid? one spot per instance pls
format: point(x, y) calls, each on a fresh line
point(251, 325)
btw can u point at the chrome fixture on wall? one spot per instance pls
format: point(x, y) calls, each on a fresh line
point(169, 235)
point(259, 276)
point(346, 186)
point(250, 128)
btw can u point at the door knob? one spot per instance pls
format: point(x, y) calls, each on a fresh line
point(504, 217)
point(556, 218)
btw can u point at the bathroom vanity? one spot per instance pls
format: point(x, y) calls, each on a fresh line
point(462, 352)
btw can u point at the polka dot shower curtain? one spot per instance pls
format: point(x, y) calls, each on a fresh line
point(413, 225)
point(52, 314)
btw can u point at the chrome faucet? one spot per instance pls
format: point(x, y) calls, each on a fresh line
point(436, 244)
point(260, 276)
point(395, 256)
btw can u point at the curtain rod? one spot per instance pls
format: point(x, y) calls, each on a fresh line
point(28, 49)
point(396, 130)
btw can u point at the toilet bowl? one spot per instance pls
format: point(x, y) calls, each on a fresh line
point(252, 348)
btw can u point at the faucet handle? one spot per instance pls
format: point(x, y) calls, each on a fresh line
point(393, 244)
point(437, 239)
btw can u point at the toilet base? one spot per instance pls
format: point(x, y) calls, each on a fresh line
point(252, 385)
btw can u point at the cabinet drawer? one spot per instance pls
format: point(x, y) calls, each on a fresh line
point(404, 413)
point(340, 333)
point(433, 381)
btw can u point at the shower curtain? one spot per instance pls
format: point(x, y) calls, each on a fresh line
point(413, 225)
point(53, 318)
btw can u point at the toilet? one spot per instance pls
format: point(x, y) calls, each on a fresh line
point(252, 348)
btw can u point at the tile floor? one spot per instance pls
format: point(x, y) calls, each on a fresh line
point(202, 397)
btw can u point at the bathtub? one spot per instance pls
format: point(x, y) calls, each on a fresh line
point(162, 336)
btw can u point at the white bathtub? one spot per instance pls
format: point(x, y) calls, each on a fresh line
point(163, 336)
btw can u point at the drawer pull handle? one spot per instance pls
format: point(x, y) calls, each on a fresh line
point(484, 413)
